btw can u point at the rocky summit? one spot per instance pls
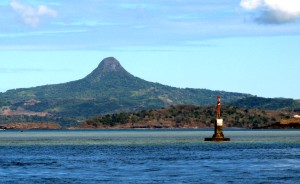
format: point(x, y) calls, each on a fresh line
point(107, 66)
point(110, 64)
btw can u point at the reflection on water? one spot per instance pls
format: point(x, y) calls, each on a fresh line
point(149, 156)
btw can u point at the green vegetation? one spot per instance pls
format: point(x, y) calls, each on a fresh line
point(110, 89)
point(66, 122)
point(267, 103)
point(186, 116)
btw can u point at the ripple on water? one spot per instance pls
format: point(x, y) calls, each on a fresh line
point(149, 157)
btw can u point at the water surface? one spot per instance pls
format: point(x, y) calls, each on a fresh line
point(149, 156)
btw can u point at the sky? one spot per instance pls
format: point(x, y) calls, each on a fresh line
point(247, 46)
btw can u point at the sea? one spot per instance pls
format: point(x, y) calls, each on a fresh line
point(149, 156)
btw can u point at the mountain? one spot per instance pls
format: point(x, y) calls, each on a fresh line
point(108, 89)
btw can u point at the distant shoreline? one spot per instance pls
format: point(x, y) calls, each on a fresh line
point(167, 129)
point(291, 124)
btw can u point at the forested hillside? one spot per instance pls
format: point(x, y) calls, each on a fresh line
point(108, 89)
point(187, 116)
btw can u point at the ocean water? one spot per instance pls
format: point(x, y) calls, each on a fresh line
point(149, 156)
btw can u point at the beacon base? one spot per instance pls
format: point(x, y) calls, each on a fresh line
point(217, 139)
point(218, 136)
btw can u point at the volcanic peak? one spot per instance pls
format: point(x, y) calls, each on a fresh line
point(110, 64)
point(106, 66)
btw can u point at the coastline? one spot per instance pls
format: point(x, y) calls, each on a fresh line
point(291, 124)
point(151, 129)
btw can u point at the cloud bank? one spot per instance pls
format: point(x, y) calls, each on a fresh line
point(273, 11)
point(32, 15)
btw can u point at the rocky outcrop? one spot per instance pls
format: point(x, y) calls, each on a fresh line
point(31, 126)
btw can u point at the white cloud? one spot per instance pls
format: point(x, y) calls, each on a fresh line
point(250, 4)
point(274, 11)
point(32, 15)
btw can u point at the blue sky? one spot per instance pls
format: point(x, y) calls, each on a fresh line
point(249, 46)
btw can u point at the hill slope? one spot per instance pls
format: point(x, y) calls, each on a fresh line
point(111, 89)
point(267, 103)
point(108, 89)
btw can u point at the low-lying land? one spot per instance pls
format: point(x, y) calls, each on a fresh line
point(31, 126)
point(175, 116)
point(188, 116)
point(293, 123)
